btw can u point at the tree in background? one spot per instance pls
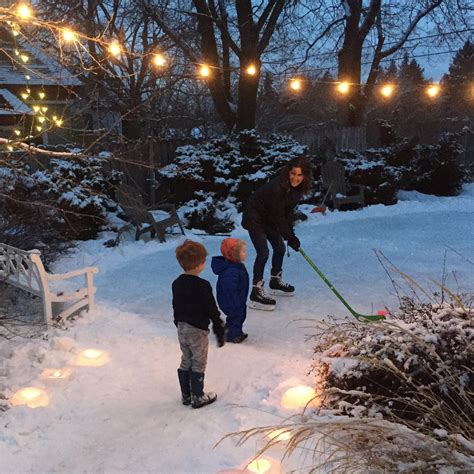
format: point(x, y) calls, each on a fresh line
point(458, 83)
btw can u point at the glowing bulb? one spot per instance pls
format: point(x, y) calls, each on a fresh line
point(17, 52)
point(24, 96)
point(259, 466)
point(295, 84)
point(387, 90)
point(15, 33)
point(41, 95)
point(44, 109)
point(24, 58)
point(17, 133)
point(56, 374)
point(39, 128)
point(69, 35)
point(59, 122)
point(41, 119)
point(251, 70)
point(9, 148)
point(36, 108)
point(433, 90)
point(114, 48)
point(24, 11)
point(343, 87)
point(204, 71)
point(27, 77)
point(159, 60)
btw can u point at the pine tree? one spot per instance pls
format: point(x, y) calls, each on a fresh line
point(458, 83)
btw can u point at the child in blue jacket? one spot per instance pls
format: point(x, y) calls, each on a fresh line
point(232, 286)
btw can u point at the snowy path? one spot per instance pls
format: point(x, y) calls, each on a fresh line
point(126, 416)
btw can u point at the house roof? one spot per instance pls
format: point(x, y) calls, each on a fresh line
point(10, 104)
point(41, 68)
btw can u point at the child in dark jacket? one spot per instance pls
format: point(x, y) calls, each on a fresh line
point(194, 308)
point(232, 286)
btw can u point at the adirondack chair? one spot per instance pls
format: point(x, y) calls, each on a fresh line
point(333, 177)
point(155, 220)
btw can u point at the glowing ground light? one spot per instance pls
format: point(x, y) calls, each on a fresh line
point(295, 84)
point(387, 90)
point(32, 397)
point(279, 435)
point(204, 71)
point(343, 87)
point(433, 90)
point(251, 70)
point(56, 374)
point(298, 397)
point(259, 466)
point(92, 358)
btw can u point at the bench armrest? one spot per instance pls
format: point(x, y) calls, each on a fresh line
point(72, 274)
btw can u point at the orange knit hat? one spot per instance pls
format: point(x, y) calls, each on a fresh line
point(230, 249)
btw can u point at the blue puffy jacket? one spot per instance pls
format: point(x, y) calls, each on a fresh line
point(232, 292)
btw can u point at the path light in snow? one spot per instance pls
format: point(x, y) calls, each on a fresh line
point(263, 465)
point(56, 374)
point(279, 435)
point(298, 397)
point(92, 358)
point(32, 397)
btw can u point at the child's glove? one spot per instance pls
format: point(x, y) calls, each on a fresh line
point(294, 243)
point(220, 331)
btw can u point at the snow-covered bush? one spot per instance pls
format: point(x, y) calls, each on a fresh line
point(415, 369)
point(208, 178)
point(63, 200)
point(430, 169)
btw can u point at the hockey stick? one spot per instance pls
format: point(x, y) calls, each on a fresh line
point(364, 318)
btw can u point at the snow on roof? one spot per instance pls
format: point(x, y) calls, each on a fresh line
point(10, 104)
point(41, 68)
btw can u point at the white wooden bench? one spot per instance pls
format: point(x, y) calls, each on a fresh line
point(24, 269)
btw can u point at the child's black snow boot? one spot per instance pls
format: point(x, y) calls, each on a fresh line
point(198, 397)
point(279, 287)
point(184, 378)
point(259, 300)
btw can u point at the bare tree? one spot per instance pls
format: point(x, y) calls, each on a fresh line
point(223, 30)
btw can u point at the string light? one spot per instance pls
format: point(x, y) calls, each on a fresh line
point(159, 60)
point(24, 11)
point(69, 35)
point(433, 90)
point(114, 48)
point(41, 119)
point(39, 128)
point(295, 84)
point(9, 148)
point(343, 87)
point(58, 122)
point(17, 132)
point(44, 109)
point(204, 71)
point(251, 70)
point(24, 58)
point(41, 95)
point(36, 108)
point(24, 95)
point(387, 90)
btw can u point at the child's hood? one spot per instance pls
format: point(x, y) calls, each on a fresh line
point(220, 264)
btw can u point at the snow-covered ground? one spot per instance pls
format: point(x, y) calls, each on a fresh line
point(126, 416)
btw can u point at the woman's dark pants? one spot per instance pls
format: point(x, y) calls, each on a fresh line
point(259, 239)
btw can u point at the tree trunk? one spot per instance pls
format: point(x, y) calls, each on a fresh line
point(247, 104)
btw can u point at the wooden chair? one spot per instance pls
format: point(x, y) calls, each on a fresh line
point(334, 181)
point(155, 220)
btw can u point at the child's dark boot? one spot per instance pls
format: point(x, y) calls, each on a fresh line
point(198, 397)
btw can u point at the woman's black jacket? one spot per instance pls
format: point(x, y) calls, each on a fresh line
point(272, 206)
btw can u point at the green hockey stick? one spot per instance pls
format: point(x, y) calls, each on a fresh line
point(364, 318)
